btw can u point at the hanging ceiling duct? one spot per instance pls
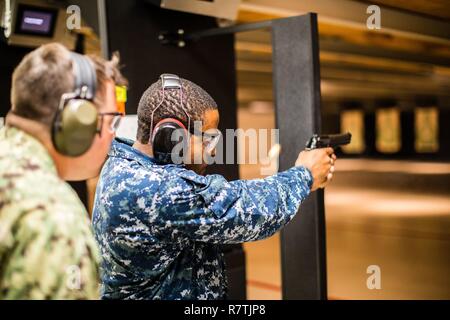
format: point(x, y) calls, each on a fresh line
point(226, 9)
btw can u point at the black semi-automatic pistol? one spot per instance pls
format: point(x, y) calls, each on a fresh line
point(328, 140)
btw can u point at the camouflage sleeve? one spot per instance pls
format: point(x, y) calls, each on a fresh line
point(44, 258)
point(211, 209)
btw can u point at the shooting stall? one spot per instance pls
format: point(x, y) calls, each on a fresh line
point(150, 42)
point(297, 102)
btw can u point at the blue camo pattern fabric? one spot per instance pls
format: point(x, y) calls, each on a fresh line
point(160, 227)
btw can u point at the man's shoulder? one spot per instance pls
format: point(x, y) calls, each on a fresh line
point(131, 173)
point(42, 205)
point(55, 233)
point(120, 175)
point(42, 201)
point(33, 194)
point(25, 185)
point(28, 173)
point(125, 183)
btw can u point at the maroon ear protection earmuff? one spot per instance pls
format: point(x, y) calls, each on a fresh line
point(169, 140)
point(168, 133)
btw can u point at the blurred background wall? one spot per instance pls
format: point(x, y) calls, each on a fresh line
point(389, 203)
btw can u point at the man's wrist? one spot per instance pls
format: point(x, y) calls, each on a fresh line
point(305, 173)
point(311, 178)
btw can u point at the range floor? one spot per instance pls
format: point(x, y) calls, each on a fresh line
point(390, 214)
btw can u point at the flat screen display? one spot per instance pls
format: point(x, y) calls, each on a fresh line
point(36, 21)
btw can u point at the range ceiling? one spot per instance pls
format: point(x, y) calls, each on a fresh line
point(409, 56)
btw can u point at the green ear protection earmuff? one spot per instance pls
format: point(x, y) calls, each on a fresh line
point(75, 124)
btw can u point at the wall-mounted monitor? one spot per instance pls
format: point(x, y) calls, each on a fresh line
point(37, 21)
point(32, 23)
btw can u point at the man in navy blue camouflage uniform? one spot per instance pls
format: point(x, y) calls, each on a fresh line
point(160, 227)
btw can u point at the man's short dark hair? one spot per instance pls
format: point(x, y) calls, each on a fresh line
point(45, 74)
point(195, 101)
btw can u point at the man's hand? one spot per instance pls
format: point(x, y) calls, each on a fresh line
point(321, 164)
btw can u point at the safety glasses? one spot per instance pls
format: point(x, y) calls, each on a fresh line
point(115, 122)
point(210, 139)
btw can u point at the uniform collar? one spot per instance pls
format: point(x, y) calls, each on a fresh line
point(123, 148)
point(26, 146)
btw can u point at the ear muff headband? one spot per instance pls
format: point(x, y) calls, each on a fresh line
point(84, 75)
point(75, 123)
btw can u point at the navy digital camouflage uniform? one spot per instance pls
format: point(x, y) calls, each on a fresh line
point(160, 228)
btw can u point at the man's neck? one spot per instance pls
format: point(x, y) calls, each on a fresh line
point(145, 148)
point(38, 131)
point(33, 128)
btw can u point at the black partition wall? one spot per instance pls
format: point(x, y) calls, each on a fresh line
point(296, 79)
